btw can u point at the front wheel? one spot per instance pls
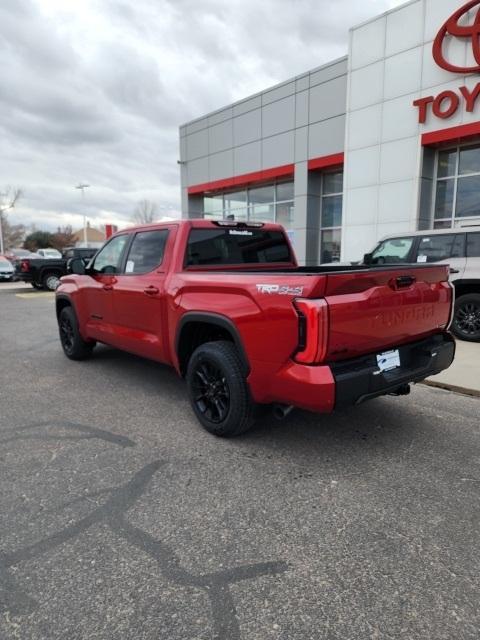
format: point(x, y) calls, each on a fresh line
point(218, 390)
point(74, 346)
point(466, 321)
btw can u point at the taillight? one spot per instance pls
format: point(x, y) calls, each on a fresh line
point(313, 330)
point(24, 266)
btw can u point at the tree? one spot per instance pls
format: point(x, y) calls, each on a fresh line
point(8, 199)
point(64, 237)
point(145, 212)
point(38, 240)
point(13, 234)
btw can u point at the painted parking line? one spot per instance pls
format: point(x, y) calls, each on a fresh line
point(29, 296)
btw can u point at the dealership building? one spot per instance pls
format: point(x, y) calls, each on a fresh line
point(383, 141)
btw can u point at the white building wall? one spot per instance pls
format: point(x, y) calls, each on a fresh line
point(390, 66)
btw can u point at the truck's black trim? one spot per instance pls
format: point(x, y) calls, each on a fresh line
point(360, 379)
point(219, 321)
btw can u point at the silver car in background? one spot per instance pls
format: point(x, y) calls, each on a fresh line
point(7, 270)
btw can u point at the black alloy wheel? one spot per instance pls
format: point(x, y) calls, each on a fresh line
point(67, 335)
point(466, 322)
point(218, 389)
point(211, 392)
point(73, 345)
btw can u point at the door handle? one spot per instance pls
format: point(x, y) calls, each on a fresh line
point(452, 271)
point(151, 290)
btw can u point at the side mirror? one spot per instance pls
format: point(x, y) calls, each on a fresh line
point(368, 258)
point(77, 266)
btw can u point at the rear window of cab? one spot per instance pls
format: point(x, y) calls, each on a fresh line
point(236, 247)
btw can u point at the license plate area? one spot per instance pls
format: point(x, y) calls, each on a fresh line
point(389, 360)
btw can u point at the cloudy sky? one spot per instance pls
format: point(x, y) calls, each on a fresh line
point(93, 91)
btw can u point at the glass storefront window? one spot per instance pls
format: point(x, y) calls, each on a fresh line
point(261, 195)
point(284, 215)
point(468, 201)
point(285, 191)
point(469, 160)
point(331, 216)
point(333, 183)
point(447, 163)
point(332, 211)
point(444, 200)
point(235, 201)
point(213, 204)
point(265, 203)
point(331, 245)
point(262, 213)
point(457, 187)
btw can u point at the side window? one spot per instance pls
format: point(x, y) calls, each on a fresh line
point(393, 251)
point(109, 259)
point(436, 248)
point(473, 245)
point(146, 251)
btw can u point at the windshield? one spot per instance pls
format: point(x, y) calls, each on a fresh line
point(393, 251)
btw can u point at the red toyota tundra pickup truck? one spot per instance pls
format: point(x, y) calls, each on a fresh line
point(226, 304)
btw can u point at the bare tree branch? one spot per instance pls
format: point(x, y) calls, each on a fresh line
point(9, 198)
point(145, 212)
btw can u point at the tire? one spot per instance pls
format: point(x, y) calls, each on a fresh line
point(37, 286)
point(51, 281)
point(73, 345)
point(466, 320)
point(218, 390)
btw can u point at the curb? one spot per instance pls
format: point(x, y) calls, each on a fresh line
point(474, 393)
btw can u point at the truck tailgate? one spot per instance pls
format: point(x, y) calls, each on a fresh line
point(379, 309)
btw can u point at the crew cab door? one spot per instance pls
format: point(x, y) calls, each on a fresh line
point(139, 294)
point(97, 289)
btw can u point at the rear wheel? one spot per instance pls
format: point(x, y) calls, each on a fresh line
point(218, 390)
point(51, 281)
point(466, 321)
point(74, 346)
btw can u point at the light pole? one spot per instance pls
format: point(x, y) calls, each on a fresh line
point(82, 188)
point(2, 210)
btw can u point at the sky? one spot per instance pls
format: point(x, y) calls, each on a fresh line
point(93, 92)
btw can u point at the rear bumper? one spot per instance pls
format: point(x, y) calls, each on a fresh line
point(359, 380)
point(24, 277)
point(326, 388)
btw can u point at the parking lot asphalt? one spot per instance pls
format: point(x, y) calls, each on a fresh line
point(122, 519)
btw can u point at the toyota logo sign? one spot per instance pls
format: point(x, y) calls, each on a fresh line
point(453, 28)
point(447, 103)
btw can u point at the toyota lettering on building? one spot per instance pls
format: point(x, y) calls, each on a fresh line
point(383, 141)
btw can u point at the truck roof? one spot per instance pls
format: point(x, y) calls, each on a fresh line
point(202, 223)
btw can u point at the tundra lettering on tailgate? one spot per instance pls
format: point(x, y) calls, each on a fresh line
point(394, 318)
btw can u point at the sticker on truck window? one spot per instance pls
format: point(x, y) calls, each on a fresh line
point(422, 259)
point(279, 290)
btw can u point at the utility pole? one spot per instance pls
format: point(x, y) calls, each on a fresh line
point(82, 188)
point(2, 210)
point(1, 226)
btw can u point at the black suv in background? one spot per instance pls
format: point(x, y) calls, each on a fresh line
point(460, 248)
